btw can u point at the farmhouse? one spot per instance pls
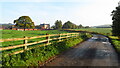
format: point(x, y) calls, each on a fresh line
point(6, 26)
point(44, 26)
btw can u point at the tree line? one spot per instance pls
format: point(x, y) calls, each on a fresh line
point(116, 21)
point(66, 25)
point(26, 22)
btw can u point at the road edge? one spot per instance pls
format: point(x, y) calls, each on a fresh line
point(52, 58)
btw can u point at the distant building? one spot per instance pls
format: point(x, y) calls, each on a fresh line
point(44, 26)
point(6, 26)
point(1, 28)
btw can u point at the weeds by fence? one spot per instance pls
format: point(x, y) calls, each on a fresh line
point(26, 44)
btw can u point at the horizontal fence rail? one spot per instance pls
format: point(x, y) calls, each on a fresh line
point(16, 39)
point(26, 44)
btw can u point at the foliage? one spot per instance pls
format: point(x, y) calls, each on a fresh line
point(58, 24)
point(86, 27)
point(53, 27)
point(69, 25)
point(24, 22)
point(35, 56)
point(80, 26)
point(116, 21)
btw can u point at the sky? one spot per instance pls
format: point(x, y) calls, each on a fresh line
point(85, 12)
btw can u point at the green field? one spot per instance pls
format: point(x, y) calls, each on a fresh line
point(39, 54)
point(43, 53)
point(98, 30)
point(20, 34)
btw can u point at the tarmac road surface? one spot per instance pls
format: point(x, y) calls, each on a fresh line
point(96, 51)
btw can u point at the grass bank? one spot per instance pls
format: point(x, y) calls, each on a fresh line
point(116, 42)
point(38, 55)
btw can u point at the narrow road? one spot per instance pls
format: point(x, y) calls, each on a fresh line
point(97, 51)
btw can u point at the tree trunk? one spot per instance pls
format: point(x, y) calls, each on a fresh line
point(24, 27)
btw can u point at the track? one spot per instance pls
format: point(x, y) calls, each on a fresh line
point(97, 51)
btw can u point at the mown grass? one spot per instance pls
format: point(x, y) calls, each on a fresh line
point(20, 34)
point(98, 30)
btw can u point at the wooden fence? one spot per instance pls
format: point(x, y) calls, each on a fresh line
point(23, 29)
point(26, 44)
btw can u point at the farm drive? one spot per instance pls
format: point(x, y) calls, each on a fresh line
point(96, 51)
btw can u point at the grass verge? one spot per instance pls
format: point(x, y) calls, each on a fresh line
point(38, 55)
point(116, 42)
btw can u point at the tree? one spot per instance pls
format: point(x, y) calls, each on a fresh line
point(80, 26)
point(74, 26)
point(53, 27)
point(24, 22)
point(116, 21)
point(87, 26)
point(58, 24)
point(67, 25)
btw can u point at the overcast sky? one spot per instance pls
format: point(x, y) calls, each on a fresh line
point(85, 12)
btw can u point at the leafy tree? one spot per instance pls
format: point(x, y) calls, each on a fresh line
point(87, 26)
point(116, 21)
point(58, 24)
point(69, 25)
point(74, 26)
point(80, 26)
point(24, 22)
point(53, 27)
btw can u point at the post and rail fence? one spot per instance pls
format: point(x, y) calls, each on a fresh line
point(26, 44)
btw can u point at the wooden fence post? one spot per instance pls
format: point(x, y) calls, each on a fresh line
point(76, 34)
point(67, 35)
point(48, 37)
point(25, 42)
point(72, 35)
point(79, 34)
point(59, 37)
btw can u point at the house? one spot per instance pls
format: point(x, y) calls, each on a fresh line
point(1, 27)
point(44, 26)
point(6, 26)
